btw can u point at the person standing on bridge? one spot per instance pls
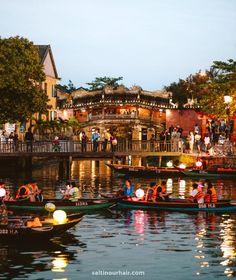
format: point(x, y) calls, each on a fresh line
point(29, 138)
point(84, 139)
point(95, 138)
point(113, 140)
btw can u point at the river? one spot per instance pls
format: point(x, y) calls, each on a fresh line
point(118, 244)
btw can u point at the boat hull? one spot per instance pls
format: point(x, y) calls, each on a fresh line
point(178, 206)
point(81, 205)
point(206, 174)
point(14, 231)
point(142, 171)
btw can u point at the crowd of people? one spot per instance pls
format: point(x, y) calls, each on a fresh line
point(105, 139)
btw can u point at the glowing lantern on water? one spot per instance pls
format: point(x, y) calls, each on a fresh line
point(139, 193)
point(198, 163)
point(169, 163)
point(2, 192)
point(50, 207)
point(182, 166)
point(60, 216)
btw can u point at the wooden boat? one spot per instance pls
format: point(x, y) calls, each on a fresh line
point(18, 228)
point(215, 172)
point(150, 171)
point(178, 205)
point(69, 206)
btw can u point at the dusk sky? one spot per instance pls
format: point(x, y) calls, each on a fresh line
point(150, 43)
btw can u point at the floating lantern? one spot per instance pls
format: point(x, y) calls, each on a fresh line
point(139, 193)
point(169, 163)
point(59, 216)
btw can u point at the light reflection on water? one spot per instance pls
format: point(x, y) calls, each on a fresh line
point(161, 244)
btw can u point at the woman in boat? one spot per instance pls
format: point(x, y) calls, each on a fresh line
point(150, 192)
point(23, 192)
point(34, 191)
point(160, 192)
point(211, 196)
point(196, 194)
point(74, 193)
point(128, 188)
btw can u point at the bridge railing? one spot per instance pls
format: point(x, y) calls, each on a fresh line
point(77, 146)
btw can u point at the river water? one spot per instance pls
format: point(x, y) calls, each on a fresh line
point(119, 244)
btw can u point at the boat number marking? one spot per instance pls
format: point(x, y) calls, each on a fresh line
point(206, 205)
point(8, 231)
point(78, 203)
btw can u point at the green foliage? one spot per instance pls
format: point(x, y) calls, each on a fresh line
point(221, 81)
point(190, 88)
point(20, 76)
point(179, 92)
point(101, 82)
point(74, 124)
point(67, 88)
point(209, 88)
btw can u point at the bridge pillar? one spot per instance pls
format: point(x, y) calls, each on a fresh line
point(28, 167)
point(160, 161)
point(68, 167)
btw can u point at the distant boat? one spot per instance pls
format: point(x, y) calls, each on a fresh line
point(150, 171)
point(214, 172)
point(178, 205)
point(17, 229)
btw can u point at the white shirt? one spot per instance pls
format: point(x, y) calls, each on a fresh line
point(194, 192)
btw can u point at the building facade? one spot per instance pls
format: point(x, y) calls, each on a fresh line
point(128, 113)
point(49, 85)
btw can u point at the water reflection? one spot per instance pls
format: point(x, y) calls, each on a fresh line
point(20, 259)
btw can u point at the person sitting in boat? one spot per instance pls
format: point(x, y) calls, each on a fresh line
point(74, 192)
point(128, 188)
point(34, 190)
point(151, 192)
point(39, 196)
point(65, 193)
point(160, 192)
point(196, 194)
point(3, 214)
point(211, 196)
point(7, 196)
point(23, 192)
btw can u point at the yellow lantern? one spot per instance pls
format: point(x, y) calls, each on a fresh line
point(59, 216)
point(50, 207)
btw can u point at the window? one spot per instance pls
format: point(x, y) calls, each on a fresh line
point(46, 87)
point(54, 91)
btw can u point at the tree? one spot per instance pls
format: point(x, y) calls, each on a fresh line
point(67, 88)
point(101, 82)
point(179, 92)
point(21, 75)
point(74, 124)
point(221, 81)
point(190, 88)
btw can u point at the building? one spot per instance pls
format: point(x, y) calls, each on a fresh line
point(129, 113)
point(49, 85)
